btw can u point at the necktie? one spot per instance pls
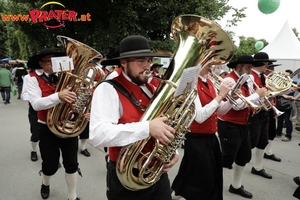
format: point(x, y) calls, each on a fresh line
point(262, 78)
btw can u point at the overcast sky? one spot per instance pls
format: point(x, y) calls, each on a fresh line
point(262, 26)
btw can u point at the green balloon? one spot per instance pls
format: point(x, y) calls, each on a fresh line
point(259, 45)
point(268, 6)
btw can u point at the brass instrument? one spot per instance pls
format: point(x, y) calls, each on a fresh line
point(200, 42)
point(266, 104)
point(67, 120)
point(279, 84)
point(217, 80)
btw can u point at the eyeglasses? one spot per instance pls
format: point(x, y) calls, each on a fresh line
point(46, 61)
point(141, 61)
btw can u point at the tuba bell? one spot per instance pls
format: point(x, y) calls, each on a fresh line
point(200, 42)
point(67, 120)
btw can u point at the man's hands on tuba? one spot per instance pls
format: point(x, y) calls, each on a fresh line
point(161, 131)
point(67, 95)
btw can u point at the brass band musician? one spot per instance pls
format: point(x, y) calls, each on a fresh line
point(233, 126)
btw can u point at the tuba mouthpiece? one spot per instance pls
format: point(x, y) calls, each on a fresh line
point(147, 73)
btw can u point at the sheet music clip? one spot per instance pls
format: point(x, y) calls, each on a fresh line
point(62, 63)
point(188, 80)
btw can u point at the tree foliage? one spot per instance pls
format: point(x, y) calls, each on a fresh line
point(111, 21)
point(247, 46)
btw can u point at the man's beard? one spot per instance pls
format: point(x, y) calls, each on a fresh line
point(138, 79)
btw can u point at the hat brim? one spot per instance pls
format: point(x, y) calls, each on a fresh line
point(265, 60)
point(33, 62)
point(116, 60)
point(254, 63)
point(274, 65)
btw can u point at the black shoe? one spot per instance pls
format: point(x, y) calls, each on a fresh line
point(33, 156)
point(272, 157)
point(297, 180)
point(85, 152)
point(241, 191)
point(45, 191)
point(77, 198)
point(261, 172)
point(297, 128)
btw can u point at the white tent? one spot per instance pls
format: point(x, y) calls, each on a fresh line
point(285, 48)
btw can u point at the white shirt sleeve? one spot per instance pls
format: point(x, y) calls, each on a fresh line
point(204, 112)
point(24, 94)
point(106, 110)
point(35, 96)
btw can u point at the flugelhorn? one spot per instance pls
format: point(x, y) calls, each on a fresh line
point(265, 102)
point(217, 80)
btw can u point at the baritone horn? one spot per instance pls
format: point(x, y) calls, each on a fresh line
point(67, 119)
point(200, 41)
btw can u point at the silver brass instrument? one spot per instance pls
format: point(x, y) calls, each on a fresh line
point(266, 104)
point(217, 80)
point(67, 120)
point(200, 42)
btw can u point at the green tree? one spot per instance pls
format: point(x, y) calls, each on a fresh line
point(247, 46)
point(112, 20)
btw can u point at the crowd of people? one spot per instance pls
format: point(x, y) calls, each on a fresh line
point(229, 129)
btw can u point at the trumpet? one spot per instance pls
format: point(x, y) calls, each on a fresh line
point(265, 103)
point(217, 80)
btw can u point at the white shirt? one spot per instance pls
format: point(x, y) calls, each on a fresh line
point(24, 94)
point(203, 113)
point(106, 110)
point(35, 96)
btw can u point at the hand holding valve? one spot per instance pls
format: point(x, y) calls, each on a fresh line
point(161, 131)
point(67, 95)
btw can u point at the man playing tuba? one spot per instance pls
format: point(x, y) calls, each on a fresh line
point(115, 118)
point(41, 89)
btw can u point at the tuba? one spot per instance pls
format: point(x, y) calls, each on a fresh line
point(67, 120)
point(200, 42)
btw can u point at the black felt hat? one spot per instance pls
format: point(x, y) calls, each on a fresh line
point(33, 61)
point(245, 59)
point(271, 64)
point(263, 57)
point(133, 47)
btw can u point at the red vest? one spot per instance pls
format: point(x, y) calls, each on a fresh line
point(257, 80)
point(237, 116)
point(154, 81)
point(47, 89)
point(206, 95)
point(131, 113)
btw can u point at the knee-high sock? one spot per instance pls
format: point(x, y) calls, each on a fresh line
point(82, 144)
point(71, 180)
point(46, 180)
point(34, 146)
point(238, 172)
point(268, 148)
point(258, 157)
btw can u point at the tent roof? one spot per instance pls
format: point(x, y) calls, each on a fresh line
point(285, 45)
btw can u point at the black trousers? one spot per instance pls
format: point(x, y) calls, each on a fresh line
point(50, 148)
point(34, 125)
point(116, 191)
point(200, 175)
point(235, 143)
point(272, 125)
point(259, 129)
point(86, 132)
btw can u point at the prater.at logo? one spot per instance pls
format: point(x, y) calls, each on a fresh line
point(52, 15)
point(55, 17)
